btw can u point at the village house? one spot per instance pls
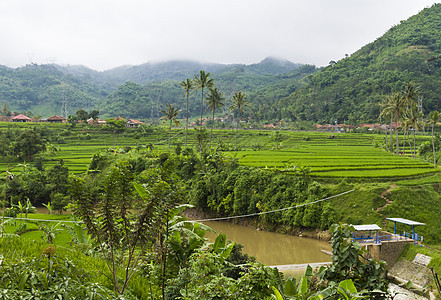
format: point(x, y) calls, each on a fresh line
point(96, 122)
point(5, 118)
point(133, 123)
point(20, 118)
point(56, 119)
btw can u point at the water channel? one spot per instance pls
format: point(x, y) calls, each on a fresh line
point(273, 248)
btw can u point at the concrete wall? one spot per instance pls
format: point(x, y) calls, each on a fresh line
point(388, 252)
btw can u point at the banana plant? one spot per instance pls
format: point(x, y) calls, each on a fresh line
point(49, 207)
point(220, 246)
point(185, 238)
point(346, 290)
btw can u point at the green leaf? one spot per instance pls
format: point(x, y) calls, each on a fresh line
point(23, 279)
point(290, 287)
point(141, 190)
point(219, 243)
point(277, 293)
point(303, 286)
point(308, 271)
point(227, 251)
point(348, 285)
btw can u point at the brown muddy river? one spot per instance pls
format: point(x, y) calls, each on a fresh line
point(273, 248)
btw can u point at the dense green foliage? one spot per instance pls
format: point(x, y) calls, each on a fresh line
point(42, 89)
point(209, 271)
point(348, 262)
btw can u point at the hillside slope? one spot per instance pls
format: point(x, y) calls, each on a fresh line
point(351, 89)
point(132, 91)
point(42, 90)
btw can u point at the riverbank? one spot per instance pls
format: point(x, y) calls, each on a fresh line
point(254, 222)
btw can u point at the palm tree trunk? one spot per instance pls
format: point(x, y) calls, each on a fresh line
point(186, 125)
point(237, 126)
point(202, 103)
point(414, 148)
point(433, 147)
point(410, 144)
point(387, 150)
point(404, 139)
point(169, 135)
point(390, 139)
point(396, 135)
point(211, 132)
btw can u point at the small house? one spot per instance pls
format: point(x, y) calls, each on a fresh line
point(20, 118)
point(133, 123)
point(56, 119)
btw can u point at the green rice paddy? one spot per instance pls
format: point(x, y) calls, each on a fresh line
point(343, 155)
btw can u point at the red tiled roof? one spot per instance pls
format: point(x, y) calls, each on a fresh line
point(134, 121)
point(54, 118)
point(20, 117)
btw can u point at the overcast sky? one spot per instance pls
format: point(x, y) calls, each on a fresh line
point(103, 34)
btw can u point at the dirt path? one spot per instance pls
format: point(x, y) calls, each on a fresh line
point(388, 202)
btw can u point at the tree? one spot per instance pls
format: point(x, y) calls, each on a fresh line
point(82, 115)
point(28, 144)
point(203, 81)
point(411, 93)
point(434, 121)
point(238, 103)
point(121, 232)
point(386, 112)
point(187, 85)
point(395, 106)
point(94, 114)
point(214, 100)
point(201, 136)
point(413, 117)
point(5, 110)
point(117, 126)
point(169, 114)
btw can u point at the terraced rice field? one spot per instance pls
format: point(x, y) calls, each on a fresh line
point(345, 155)
point(339, 158)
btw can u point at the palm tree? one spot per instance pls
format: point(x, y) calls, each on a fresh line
point(414, 116)
point(396, 105)
point(214, 100)
point(187, 85)
point(434, 121)
point(385, 112)
point(203, 81)
point(169, 114)
point(238, 103)
point(411, 93)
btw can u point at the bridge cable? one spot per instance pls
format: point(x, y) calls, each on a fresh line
point(272, 211)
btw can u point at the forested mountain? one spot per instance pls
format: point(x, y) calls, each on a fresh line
point(350, 89)
point(42, 90)
point(134, 91)
point(145, 101)
point(177, 70)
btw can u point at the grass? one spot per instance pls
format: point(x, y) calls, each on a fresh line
point(13, 249)
point(34, 228)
